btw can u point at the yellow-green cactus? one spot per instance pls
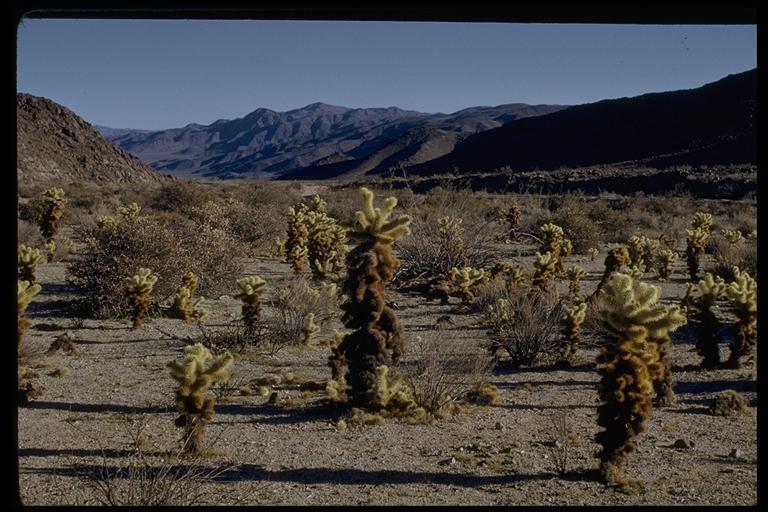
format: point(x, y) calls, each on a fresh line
point(742, 294)
point(512, 216)
point(451, 231)
point(279, 248)
point(309, 329)
point(614, 260)
point(629, 364)
point(25, 291)
point(572, 320)
point(575, 273)
point(296, 251)
point(593, 253)
point(28, 259)
point(139, 288)
point(567, 247)
point(106, 222)
point(325, 243)
point(553, 238)
point(466, 281)
point(702, 221)
point(54, 202)
point(642, 251)
point(733, 236)
point(544, 274)
point(186, 307)
point(751, 236)
point(195, 408)
point(251, 290)
point(377, 333)
point(696, 245)
point(705, 322)
point(665, 259)
point(129, 212)
point(50, 250)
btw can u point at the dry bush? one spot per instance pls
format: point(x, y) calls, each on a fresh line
point(579, 229)
point(526, 324)
point(444, 368)
point(728, 403)
point(180, 196)
point(171, 247)
point(728, 255)
point(28, 233)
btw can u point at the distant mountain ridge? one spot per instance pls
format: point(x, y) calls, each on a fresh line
point(269, 144)
point(55, 144)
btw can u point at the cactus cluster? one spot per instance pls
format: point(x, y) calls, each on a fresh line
point(54, 201)
point(25, 291)
point(450, 230)
point(614, 260)
point(665, 259)
point(629, 365)
point(139, 290)
point(466, 280)
point(697, 241)
point(129, 212)
point(705, 323)
point(194, 407)
point(545, 268)
point(376, 331)
point(572, 320)
point(593, 253)
point(325, 242)
point(555, 243)
point(309, 329)
point(733, 236)
point(742, 296)
point(251, 290)
point(185, 306)
point(574, 273)
point(296, 250)
point(513, 276)
point(27, 261)
point(642, 251)
point(106, 222)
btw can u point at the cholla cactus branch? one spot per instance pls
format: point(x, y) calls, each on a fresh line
point(139, 289)
point(28, 259)
point(705, 322)
point(251, 290)
point(572, 320)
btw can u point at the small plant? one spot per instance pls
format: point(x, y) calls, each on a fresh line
point(129, 212)
point(702, 221)
point(139, 290)
point(377, 333)
point(546, 267)
point(742, 294)
point(512, 217)
point(195, 408)
point(572, 320)
point(751, 236)
point(575, 273)
point(642, 251)
point(25, 291)
point(629, 364)
point(186, 307)
point(310, 329)
point(466, 280)
point(705, 322)
point(54, 201)
point(325, 241)
point(695, 248)
point(665, 259)
point(593, 253)
point(50, 250)
point(65, 343)
point(728, 403)
point(553, 243)
point(733, 236)
point(28, 259)
point(251, 290)
point(106, 222)
point(616, 258)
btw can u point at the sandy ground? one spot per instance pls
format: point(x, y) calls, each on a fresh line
point(293, 455)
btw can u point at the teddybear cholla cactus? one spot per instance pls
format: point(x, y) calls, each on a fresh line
point(50, 250)
point(629, 365)
point(572, 321)
point(665, 259)
point(593, 252)
point(185, 306)
point(466, 281)
point(616, 258)
point(251, 290)
point(545, 266)
point(195, 408)
point(129, 212)
point(742, 294)
point(695, 247)
point(309, 329)
point(512, 216)
point(296, 250)
point(575, 273)
point(325, 241)
point(24, 293)
point(642, 251)
point(377, 331)
point(140, 294)
point(554, 242)
point(705, 323)
point(733, 236)
point(28, 259)
point(54, 202)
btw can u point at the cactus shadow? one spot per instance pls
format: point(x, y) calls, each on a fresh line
point(95, 408)
point(107, 453)
point(55, 289)
point(715, 386)
point(58, 308)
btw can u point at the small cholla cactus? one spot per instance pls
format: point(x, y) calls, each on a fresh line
point(616, 258)
point(106, 222)
point(572, 320)
point(309, 329)
point(553, 238)
point(129, 212)
point(194, 407)
point(512, 216)
point(466, 280)
point(513, 276)
point(325, 241)
point(24, 293)
point(296, 251)
point(629, 365)
point(642, 251)
point(139, 288)
point(545, 266)
point(50, 250)
point(702, 221)
point(575, 273)
point(733, 236)
point(279, 247)
point(593, 253)
point(28, 259)
point(567, 247)
point(635, 272)
point(742, 294)
point(666, 258)
point(705, 322)
point(251, 290)
point(696, 245)
point(187, 308)
point(54, 202)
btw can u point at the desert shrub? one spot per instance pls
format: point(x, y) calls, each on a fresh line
point(54, 200)
point(728, 403)
point(526, 325)
point(293, 302)
point(170, 249)
point(180, 196)
point(582, 231)
point(728, 255)
point(445, 368)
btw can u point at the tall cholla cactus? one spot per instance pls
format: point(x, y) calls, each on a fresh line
point(54, 202)
point(325, 241)
point(129, 212)
point(616, 258)
point(553, 240)
point(377, 332)
point(466, 280)
point(665, 259)
point(742, 294)
point(296, 250)
point(629, 363)
point(139, 288)
point(251, 290)
point(572, 320)
point(705, 322)
point(185, 306)
point(544, 273)
point(195, 408)
point(27, 261)
point(25, 291)
point(575, 273)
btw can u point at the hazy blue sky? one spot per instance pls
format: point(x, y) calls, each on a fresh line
point(157, 74)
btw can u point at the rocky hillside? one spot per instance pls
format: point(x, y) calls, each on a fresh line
point(710, 125)
point(53, 144)
point(269, 144)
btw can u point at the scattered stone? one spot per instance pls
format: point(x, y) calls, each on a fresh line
point(728, 403)
point(735, 454)
point(682, 444)
point(499, 426)
point(448, 462)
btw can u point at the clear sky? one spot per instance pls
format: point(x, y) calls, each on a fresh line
point(156, 74)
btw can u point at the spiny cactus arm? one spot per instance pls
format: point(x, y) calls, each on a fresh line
point(143, 281)
point(375, 222)
point(251, 286)
point(218, 371)
point(742, 291)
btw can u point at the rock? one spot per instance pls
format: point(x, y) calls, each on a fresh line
point(735, 453)
point(499, 426)
point(682, 444)
point(448, 462)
